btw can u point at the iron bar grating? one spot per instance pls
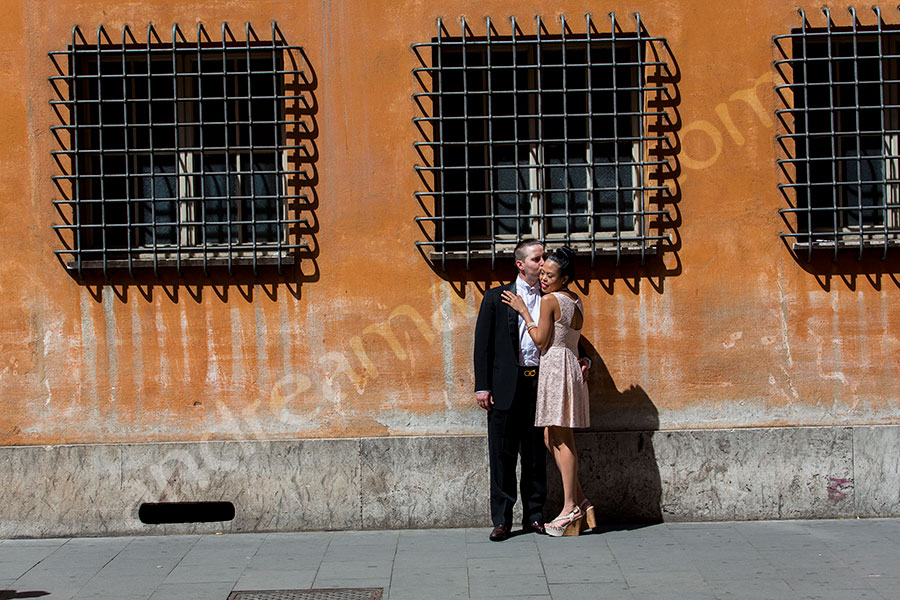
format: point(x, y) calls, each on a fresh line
point(181, 153)
point(541, 135)
point(840, 145)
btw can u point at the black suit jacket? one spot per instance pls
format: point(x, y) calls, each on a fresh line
point(497, 347)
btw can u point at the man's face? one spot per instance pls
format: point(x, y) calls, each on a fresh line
point(530, 268)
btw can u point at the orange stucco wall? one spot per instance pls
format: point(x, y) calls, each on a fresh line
point(732, 330)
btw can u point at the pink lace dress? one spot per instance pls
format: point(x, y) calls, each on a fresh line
point(562, 394)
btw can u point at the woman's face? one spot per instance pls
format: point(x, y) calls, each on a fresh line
point(551, 280)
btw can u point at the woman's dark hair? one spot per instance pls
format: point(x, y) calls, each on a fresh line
point(565, 258)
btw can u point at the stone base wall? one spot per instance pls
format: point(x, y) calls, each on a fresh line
point(424, 482)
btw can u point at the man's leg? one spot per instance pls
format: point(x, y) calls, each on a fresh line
point(534, 457)
point(503, 444)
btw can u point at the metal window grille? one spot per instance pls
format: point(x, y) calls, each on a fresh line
point(840, 151)
point(179, 153)
point(541, 136)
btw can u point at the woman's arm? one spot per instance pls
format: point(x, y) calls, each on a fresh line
point(543, 333)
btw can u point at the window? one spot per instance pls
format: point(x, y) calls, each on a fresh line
point(535, 136)
point(843, 149)
point(177, 152)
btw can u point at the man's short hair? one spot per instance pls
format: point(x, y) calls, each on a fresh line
point(521, 247)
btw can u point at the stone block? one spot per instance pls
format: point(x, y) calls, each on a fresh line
point(618, 473)
point(58, 490)
point(740, 474)
point(274, 485)
point(876, 467)
point(424, 482)
point(98, 489)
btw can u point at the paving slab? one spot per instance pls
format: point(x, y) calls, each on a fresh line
point(353, 583)
point(752, 589)
point(355, 569)
point(428, 591)
point(278, 579)
point(192, 591)
point(590, 591)
point(12, 570)
point(491, 586)
point(205, 573)
point(583, 572)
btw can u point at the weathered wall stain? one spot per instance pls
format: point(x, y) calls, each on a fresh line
point(380, 344)
point(838, 488)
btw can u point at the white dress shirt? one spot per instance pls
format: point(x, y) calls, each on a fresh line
point(529, 355)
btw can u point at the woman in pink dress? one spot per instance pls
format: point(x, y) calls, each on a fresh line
point(562, 396)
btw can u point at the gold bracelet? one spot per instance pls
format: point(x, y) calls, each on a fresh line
point(528, 326)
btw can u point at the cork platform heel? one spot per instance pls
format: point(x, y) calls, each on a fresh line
point(590, 517)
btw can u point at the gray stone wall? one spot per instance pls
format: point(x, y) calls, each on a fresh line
point(414, 482)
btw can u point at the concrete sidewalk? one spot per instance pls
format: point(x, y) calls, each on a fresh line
point(844, 560)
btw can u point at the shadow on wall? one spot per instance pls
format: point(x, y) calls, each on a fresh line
point(174, 180)
point(617, 462)
point(850, 270)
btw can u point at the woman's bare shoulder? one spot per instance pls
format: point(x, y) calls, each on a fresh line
point(550, 299)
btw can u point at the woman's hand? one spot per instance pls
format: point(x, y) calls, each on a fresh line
point(515, 302)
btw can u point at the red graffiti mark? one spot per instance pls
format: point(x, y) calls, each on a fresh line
point(838, 488)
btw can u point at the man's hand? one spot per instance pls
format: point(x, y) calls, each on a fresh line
point(585, 366)
point(484, 399)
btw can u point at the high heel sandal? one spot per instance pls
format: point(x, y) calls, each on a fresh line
point(569, 524)
point(590, 519)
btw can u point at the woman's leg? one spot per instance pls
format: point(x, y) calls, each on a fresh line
point(561, 441)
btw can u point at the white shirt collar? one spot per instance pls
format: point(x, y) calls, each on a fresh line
point(521, 286)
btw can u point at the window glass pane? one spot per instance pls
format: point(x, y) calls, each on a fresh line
point(157, 186)
point(614, 97)
point(566, 187)
point(823, 195)
point(511, 197)
point(613, 188)
point(218, 209)
point(259, 200)
point(213, 109)
point(162, 108)
point(509, 80)
point(263, 105)
point(456, 200)
point(864, 177)
point(112, 111)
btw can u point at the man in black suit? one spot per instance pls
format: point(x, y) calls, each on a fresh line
point(506, 367)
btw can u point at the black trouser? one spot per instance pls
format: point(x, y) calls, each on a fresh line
point(512, 433)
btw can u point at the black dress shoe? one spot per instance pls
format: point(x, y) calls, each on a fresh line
point(499, 533)
point(534, 527)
